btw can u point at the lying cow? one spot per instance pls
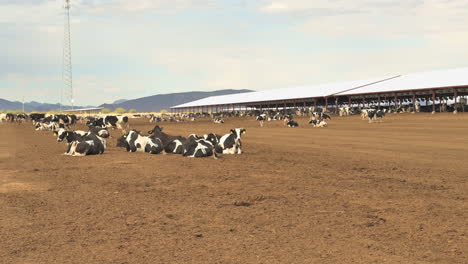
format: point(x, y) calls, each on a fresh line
point(133, 141)
point(90, 144)
point(218, 121)
point(120, 122)
point(318, 123)
point(69, 136)
point(198, 148)
point(292, 123)
point(213, 138)
point(231, 143)
point(320, 116)
point(171, 144)
point(102, 132)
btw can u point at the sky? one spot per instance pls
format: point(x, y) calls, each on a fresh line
point(135, 48)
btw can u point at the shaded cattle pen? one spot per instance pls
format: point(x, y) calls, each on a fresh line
point(432, 91)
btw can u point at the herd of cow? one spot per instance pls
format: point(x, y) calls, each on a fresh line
point(93, 141)
point(318, 118)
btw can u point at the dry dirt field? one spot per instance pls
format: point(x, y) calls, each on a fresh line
point(354, 192)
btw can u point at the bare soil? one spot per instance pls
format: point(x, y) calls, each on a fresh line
point(353, 192)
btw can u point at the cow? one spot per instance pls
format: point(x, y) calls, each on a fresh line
point(90, 144)
point(199, 148)
point(364, 114)
point(10, 117)
point(218, 120)
point(320, 116)
point(102, 132)
point(62, 119)
point(318, 123)
point(133, 141)
point(36, 117)
point(154, 118)
point(231, 143)
point(3, 118)
point(171, 144)
point(374, 114)
point(261, 118)
point(292, 123)
point(52, 126)
point(41, 126)
point(213, 138)
point(120, 122)
point(193, 137)
point(69, 136)
point(21, 118)
point(344, 111)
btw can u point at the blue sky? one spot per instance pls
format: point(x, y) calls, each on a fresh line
point(129, 49)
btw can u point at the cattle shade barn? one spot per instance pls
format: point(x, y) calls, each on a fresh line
point(433, 85)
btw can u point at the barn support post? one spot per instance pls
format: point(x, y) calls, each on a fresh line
point(349, 101)
point(455, 95)
point(326, 104)
point(433, 101)
point(315, 105)
point(378, 100)
point(396, 101)
point(276, 107)
point(414, 102)
point(336, 105)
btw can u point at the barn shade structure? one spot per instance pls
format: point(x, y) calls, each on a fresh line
point(433, 87)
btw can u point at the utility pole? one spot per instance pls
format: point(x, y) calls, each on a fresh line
point(67, 90)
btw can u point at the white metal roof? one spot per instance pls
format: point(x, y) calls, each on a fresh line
point(84, 109)
point(282, 94)
point(416, 81)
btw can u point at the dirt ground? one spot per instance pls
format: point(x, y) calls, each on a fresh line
point(354, 192)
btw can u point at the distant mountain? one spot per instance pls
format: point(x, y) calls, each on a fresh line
point(120, 101)
point(158, 102)
point(31, 106)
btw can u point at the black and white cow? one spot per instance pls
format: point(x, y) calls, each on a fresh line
point(120, 122)
point(133, 141)
point(68, 120)
point(231, 143)
point(199, 148)
point(320, 116)
point(318, 123)
point(218, 120)
point(36, 117)
point(374, 114)
point(261, 118)
point(51, 126)
point(292, 123)
point(90, 144)
point(193, 137)
point(213, 138)
point(171, 144)
point(21, 118)
point(102, 132)
point(69, 136)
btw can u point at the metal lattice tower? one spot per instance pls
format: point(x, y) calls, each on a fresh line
point(66, 94)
